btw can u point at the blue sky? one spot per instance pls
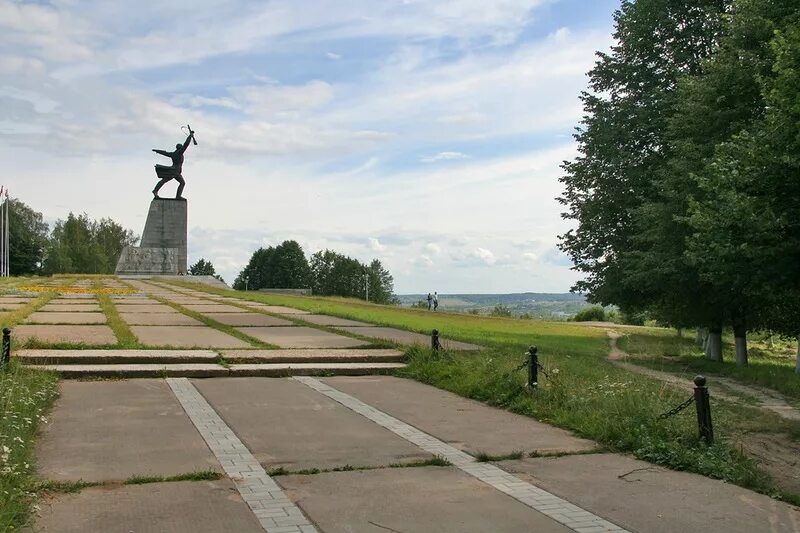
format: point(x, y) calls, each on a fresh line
point(426, 133)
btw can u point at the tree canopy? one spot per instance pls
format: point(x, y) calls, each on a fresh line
point(684, 190)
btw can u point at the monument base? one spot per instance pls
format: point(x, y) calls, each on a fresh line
point(163, 249)
point(148, 261)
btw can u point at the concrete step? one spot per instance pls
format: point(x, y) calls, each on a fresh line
point(215, 370)
point(166, 357)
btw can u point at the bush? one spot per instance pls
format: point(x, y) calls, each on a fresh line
point(421, 304)
point(500, 310)
point(590, 314)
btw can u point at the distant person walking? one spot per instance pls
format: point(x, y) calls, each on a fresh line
point(430, 300)
point(435, 300)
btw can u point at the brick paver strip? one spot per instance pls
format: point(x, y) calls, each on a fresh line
point(274, 510)
point(542, 501)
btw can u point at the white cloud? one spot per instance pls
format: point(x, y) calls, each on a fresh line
point(433, 248)
point(375, 245)
point(333, 56)
point(485, 255)
point(444, 156)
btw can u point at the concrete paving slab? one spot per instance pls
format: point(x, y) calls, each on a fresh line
point(301, 337)
point(248, 319)
point(136, 370)
point(214, 308)
point(15, 300)
point(326, 320)
point(186, 337)
point(281, 370)
point(145, 308)
point(112, 430)
point(438, 499)
point(133, 300)
point(643, 497)
point(77, 334)
point(327, 355)
point(406, 337)
point(62, 307)
point(54, 317)
point(159, 319)
point(5, 306)
point(284, 423)
point(65, 357)
point(277, 309)
point(181, 507)
point(465, 424)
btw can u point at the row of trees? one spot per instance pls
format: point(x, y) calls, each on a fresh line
point(684, 192)
point(327, 273)
point(77, 244)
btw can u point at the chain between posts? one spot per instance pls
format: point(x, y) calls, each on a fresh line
point(677, 409)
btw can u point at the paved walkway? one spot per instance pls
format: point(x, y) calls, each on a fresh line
point(347, 454)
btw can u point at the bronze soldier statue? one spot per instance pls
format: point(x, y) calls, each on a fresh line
point(166, 173)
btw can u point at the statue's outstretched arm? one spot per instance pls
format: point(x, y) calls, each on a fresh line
point(186, 144)
point(162, 152)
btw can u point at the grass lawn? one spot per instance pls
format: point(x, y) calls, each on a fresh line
point(25, 397)
point(584, 393)
point(771, 367)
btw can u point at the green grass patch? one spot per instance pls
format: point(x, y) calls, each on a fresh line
point(25, 397)
point(771, 369)
point(64, 487)
point(483, 457)
point(125, 337)
point(433, 461)
point(197, 475)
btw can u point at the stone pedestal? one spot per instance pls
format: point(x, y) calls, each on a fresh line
point(163, 248)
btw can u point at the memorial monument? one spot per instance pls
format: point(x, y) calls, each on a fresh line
point(163, 249)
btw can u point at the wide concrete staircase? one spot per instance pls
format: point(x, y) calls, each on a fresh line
point(212, 363)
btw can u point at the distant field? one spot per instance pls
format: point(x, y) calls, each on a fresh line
point(558, 306)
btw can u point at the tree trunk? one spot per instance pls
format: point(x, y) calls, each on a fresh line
point(698, 337)
point(714, 343)
point(797, 365)
point(740, 339)
point(680, 333)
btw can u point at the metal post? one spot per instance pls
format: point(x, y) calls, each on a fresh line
point(701, 400)
point(435, 340)
point(533, 368)
point(5, 355)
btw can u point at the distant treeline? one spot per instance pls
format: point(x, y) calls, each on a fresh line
point(77, 244)
point(327, 273)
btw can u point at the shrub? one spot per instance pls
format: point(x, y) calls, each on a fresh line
point(592, 313)
point(500, 310)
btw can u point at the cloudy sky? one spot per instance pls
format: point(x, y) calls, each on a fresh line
point(426, 133)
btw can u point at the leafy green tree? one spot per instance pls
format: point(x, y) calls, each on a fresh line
point(81, 245)
point(281, 267)
point(27, 233)
point(202, 268)
point(623, 147)
point(381, 284)
point(256, 275)
point(590, 314)
point(289, 267)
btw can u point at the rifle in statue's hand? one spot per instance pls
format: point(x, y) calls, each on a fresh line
point(191, 134)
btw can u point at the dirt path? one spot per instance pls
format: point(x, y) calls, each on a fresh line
point(765, 398)
point(777, 453)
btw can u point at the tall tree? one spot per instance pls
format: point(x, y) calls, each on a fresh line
point(381, 283)
point(282, 267)
point(27, 239)
point(623, 147)
point(81, 245)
